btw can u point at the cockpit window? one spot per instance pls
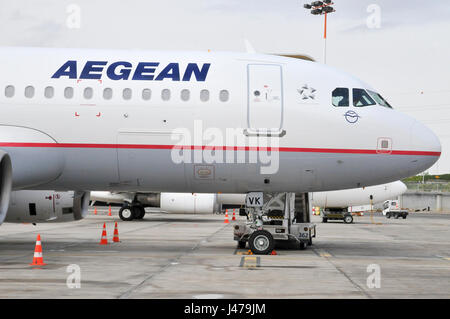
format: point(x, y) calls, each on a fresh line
point(340, 97)
point(377, 97)
point(362, 98)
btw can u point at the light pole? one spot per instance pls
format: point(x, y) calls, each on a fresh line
point(319, 8)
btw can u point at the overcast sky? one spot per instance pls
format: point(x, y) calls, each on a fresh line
point(400, 47)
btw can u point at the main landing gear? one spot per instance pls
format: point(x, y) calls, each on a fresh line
point(131, 211)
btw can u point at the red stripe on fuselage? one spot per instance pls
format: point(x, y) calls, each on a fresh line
point(227, 148)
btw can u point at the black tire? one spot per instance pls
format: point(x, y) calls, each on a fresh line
point(348, 219)
point(241, 244)
point(404, 216)
point(139, 212)
point(324, 220)
point(388, 215)
point(261, 242)
point(126, 213)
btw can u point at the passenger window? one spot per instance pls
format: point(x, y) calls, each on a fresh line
point(224, 96)
point(68, 92)
point(185, 95)
point(49, 92)
point(126, 94)
point(107, 93)
point(165, 95)
point(339, 97)
point(9, 91)
point(88, 93)
point(362, 98)
point(146, 94)
point(29, 91)
point(204, 95)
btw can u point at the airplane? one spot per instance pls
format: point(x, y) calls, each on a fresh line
point(359, 196)
point(133, 204)
point(76, 120)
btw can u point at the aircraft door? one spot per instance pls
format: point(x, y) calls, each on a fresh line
point(265, 100)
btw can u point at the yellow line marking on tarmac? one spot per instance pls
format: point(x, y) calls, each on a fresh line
point(250, 262)
point(323, 253)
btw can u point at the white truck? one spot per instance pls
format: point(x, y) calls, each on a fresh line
point(391, 208)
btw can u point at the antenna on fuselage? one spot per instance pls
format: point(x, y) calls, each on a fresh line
point(249, 47)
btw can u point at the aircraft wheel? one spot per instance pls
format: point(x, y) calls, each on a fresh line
point(126, 213)
point(139, 212)
point(261, 242)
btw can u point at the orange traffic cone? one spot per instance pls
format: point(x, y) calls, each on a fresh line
point(109, 211)
point(234, 216)
point(104, 240)
point(38, 260)
point(116, 234)
point(226, 217)
point(95, 210)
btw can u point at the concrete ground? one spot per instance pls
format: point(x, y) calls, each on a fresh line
point(182, 256)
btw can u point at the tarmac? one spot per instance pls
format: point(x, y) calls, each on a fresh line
point(195, 256)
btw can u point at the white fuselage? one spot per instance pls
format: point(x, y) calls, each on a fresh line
point(109, 120)
point(360, 196)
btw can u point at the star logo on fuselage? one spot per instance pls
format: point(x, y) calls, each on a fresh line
point(307, 93)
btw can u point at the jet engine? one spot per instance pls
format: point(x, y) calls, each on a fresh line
point(187, 203)
point(35, 206)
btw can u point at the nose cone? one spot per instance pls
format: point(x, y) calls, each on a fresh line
point(426, 145)
point(398, 188)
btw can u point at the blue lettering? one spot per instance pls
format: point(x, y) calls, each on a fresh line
point(123, 73)
point(90, 67)
point(200, 75)
point(145, 67)
point(121, 70)
point(67, 69)
point(171, 71)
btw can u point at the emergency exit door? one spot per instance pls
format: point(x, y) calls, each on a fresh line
point(265, 99)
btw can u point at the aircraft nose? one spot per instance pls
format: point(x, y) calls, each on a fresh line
point(423, 139)
point(426, 144)
point(403, 187)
